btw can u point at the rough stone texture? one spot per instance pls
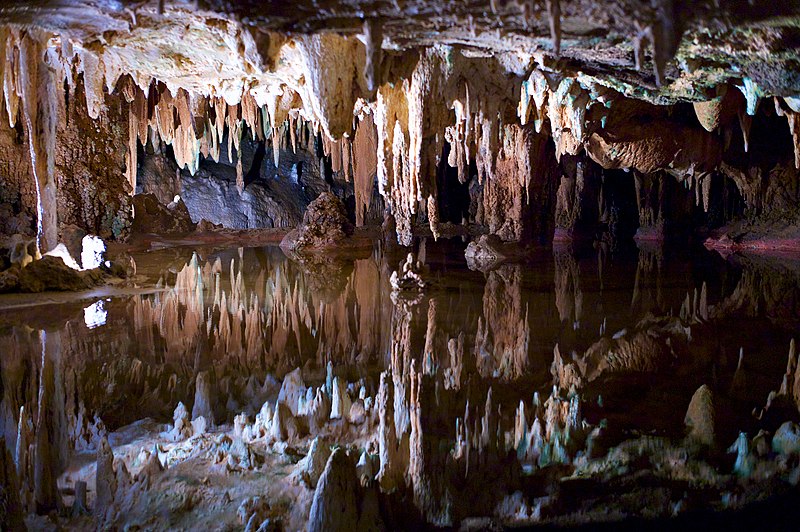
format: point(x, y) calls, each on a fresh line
point(700, 416)
point(335, 504)
point(93, 192)
point(17, 189)
point(153, 217)
point(324, 225)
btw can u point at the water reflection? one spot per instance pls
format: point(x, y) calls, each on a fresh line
point(231, 321)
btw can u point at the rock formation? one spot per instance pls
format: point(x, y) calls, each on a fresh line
point(164, 149)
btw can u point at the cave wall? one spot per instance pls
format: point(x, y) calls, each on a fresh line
point(17, 189)
point(93, 191)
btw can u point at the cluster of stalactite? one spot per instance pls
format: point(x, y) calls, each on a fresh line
point(381, 116)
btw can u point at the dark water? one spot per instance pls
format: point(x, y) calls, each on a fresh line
point(128, 357)
point(638, 332)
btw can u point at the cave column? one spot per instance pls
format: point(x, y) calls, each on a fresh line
point(40, 112)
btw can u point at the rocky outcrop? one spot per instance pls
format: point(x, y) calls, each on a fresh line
point(48, 274)
point(324, 225)
point(151, 217)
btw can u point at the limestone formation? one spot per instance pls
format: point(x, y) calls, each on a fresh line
point(700, 416)
point(313, 465)
point(202, 398)
point(324, 225)
point(156, 153)
point(335, 504)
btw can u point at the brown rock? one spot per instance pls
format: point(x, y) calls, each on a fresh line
point(151, 217)
point(72, 238)
point(700, 416)
point(50, 273)
point(325, 224)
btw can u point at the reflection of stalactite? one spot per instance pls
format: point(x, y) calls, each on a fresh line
point(503, 334)
point(567, 281)
point(274, 320)
point(46, 456)
point(430, 362)
point(648, 276)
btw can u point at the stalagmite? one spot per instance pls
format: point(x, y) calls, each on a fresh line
point(744, 458)
point(106, 483)
point(202, 397)
point(292, 389)
point(700, 416)
point(313, 465)
point(335, 503)
point(340, 400)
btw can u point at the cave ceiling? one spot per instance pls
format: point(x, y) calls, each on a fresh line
point(222, 48)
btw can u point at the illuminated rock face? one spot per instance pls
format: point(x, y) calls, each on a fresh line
point(382, 103)
point(509, 124)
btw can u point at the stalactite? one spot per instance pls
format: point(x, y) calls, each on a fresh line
point(131, 156)
point(373, 38)
point(567, 112)
point(39, 99)
point(534, 88)
point(793, 118)
point(745, 122)
point(46, 457)
point(365, 150)
point(93, 70)
point(11, 74)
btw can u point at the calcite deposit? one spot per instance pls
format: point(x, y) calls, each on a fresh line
point(365, 265)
